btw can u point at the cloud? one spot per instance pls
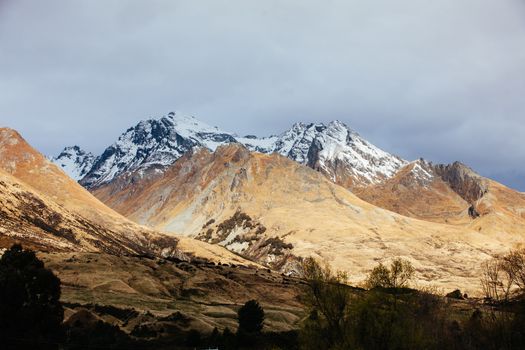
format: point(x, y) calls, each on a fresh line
point(442, 80)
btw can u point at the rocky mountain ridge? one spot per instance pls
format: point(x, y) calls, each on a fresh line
point(152, 145)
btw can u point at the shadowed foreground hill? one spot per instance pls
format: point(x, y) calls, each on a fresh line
point(197, 295)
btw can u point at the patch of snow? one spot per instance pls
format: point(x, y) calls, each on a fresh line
point(238, 247)
point(421, 170)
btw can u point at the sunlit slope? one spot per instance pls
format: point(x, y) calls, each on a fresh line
point(299, 206)
point(43, 208)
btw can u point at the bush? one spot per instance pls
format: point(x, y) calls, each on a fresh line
point(504, 276)
point(329, 301)
point(456, 294)
point(398, 276)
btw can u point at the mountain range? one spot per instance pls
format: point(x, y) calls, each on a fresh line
point(155, 144)
point(315, 190)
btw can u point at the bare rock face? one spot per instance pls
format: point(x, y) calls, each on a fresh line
point(463, 180)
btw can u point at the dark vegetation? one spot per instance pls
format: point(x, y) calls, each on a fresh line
point(251, 318)
point(30, 310)
point(37, 213)
point(237, 220)
point(392, 316)
point(276, 245)
point(386, 315)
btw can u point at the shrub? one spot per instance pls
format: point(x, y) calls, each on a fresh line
point(456, 294)
point(397, 276)
point(504, 276)
point(329, 301)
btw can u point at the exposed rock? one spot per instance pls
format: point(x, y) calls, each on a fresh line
point(463, 180)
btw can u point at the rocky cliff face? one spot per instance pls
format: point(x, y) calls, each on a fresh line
point(463, 180)
point(418, 191)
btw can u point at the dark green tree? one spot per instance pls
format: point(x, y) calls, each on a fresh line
point(30, 311)
point(251, 317)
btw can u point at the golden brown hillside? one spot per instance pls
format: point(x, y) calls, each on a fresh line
point(272, 209)
point(37, 221)
point(43, 208)
point(207, 295)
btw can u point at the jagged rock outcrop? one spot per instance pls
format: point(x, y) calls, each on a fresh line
point(153, 145)
point(333, 149)
point(463, 180)
point(418, 191)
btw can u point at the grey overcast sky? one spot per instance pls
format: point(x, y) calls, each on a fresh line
point(443, 80)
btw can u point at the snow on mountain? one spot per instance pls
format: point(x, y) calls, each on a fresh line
point(153, 144)
point(334, 149)
point(74, 161)
point(422, 172)
point(258, 144)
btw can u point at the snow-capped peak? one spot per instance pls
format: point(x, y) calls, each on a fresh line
point(332, 148)
point(74, 161)
point(154, 143)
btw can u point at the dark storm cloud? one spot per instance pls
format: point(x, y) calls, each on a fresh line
point(443, 80)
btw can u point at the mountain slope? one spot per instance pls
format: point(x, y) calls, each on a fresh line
point(44, 206)
point(271, 209)
point(38, 222)
point(453, 194)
